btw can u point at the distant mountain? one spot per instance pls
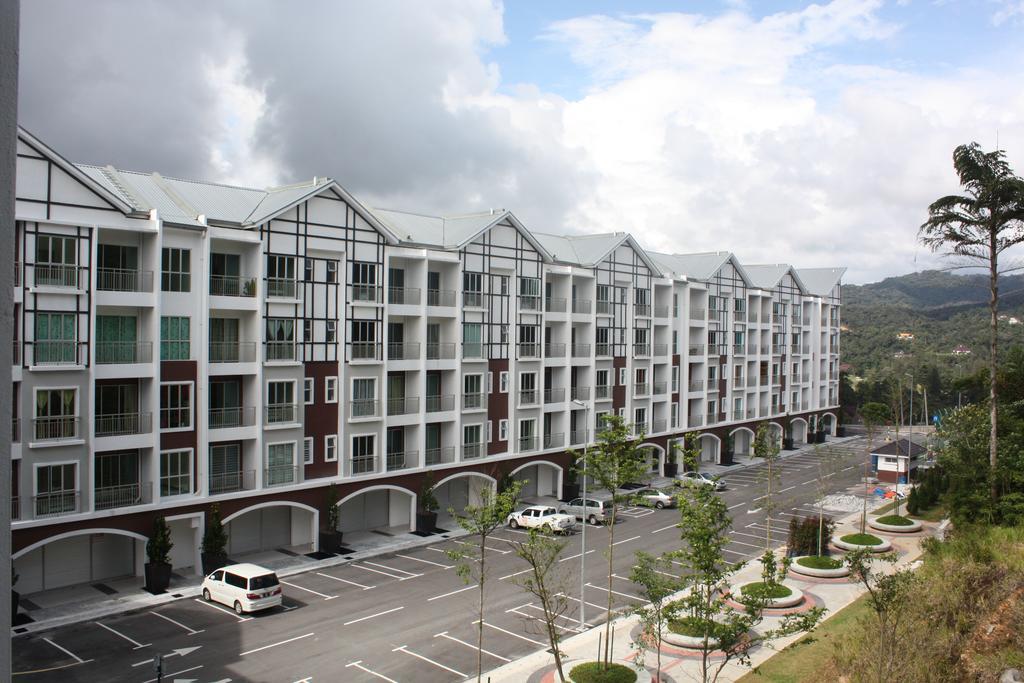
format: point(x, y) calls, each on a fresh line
point(930, 289)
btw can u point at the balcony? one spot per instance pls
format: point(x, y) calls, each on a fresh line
point(403, 405)
point(739, 316)
point(556, 350)
point(56, 275)
point(751, 413)
point(641, 389)
point(660, 387)
point(696, 349)
point(439, 404)
point(15, 430)
point(739, 350)
point(280, 475)
point(365, 464)
point(124, 280)
point(763, 379)
point(229, 482)
point(694, 421)
point(697, 314)
point(580, 393)
point(472, 350)
point(529, 303)
point(659, 426)
point(401, 460)
point(440, 350)
point(581, 350)
point(235, 285)
point(807, 320)
point(556, 440)
point(710, 419)
point(473, 299)
point(795, 378)
point(528, 397)
point(58, 353)
point(604, 307)
point(577, 437)
point(638, 429)
point(581, 306)
point(716, 315)
point(738, 415)
point(661, 311)
point(284, 413)
point(55, 504)
point(407, 296)
point(554, 305)
point(695, 386)
point(602, 392)
point(661, 349)
point(475, 401)
point(126, 495)
point(363, 293)
point(280, 288)
point(440, 456)
point(228, 418)
point(794, 348)
point(280, 351)
point(643, 350)
point(233, 351)
point(363, 408)
point(554, 395)
point(642, 310)
point(752, 381)
point(441, 297)
point(528, 350)
point(56, 428)
point(472, 451)
point(363, 351)
point(403, 350)
point(752, 349)
point(526, 443)
point(123, 424)
point(118, 353)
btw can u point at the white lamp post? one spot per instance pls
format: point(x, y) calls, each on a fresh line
point(583, 540)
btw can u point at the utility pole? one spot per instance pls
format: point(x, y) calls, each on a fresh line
point(583, 536)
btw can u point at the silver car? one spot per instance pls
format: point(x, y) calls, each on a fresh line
point(653, 498)
point(700, 479)
point(592, 511)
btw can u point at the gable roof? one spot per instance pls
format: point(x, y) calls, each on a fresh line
point(701, 266)
point(590, 250)
point(453, 231)
point(901, 447)
point(769, 276)
point(820, 281)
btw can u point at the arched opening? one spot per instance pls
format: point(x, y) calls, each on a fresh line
point(776, 432)
point(541, 479)
point(655, 455)
point(710, 449)
point(271, 526)
point(742, 442)
point(458, 491)
point(798, 426)
point(828, 423)
point(87, 556)
point(377, 509)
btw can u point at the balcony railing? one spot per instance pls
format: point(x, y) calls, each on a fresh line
point(364, 408)
point(638, 428)
point(56, 275)
point(716, 315)
point(282, 413)
point(54, 504)
point(401, 460)
point(661, 311)
point(581, 305)
point(642, 309)
point(604, 307)
point(364, 351)
point(57, 428)
point(642, 349)
point(751, 381)
point(58, 353)
point(233, 352)
point(526, 443)
point(228, 482)
point(365, 464)
point(739, 350)
point(577, 437)
point(474, 401)
point(112, 353)
point(528, 397)
point(694, 421)
point(440, 350)
point(529, 303)
point(752, 349)
point(580, 393)
point(441, 297)
point(556, 440)
point(528, 350)
point(554, 305)
point(280, 288)
point(472, 350)
point(439, 456)
point(409, 296)
point(660, 387)
point(641, 389)
point(554, 350)
point(126, 495)
point(124, 280)
point(751, 413)
point(280, 351)
point(659, 426)
point(123, 424)
point(661, 349)
point(403, 405)
point(15, 430)
point(364, 293)
point(403, 350)
point(227, 418)
point(710, 419)
point(555, 395)
point(471, 451)
point(696, 349)
point(17, 273)
point(235, 285)
point(473, 299)
point(280, 475)
point(698, 314)
point(602, 391)
point(438, 404)
point(738, 414)
point(583, 350)
point(696, 385)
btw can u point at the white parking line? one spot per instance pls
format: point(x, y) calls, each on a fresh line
point(267, 647)
point(470, 646)
point(191, 631)
point(749, 545)
point(371, 616)
point(136, 643)
point(808, 482)
point(377, 571)
point(429, 661)
point(359, 665)
point(507, 632)
point(573, 557)
point(734, 552)
point(411, 575)
point(626, 540)
point(625, 595)
point(788, 488)
point(177, 673)
point(438, 597)
point(740, 504)
point(69, 653)
point(666, 528)
point(740, 533)
point(225, 610)
point(351, 583)
point(310, 590)
point(416, 559)
point(493, 550)
point(585, 602)
point(509, 576)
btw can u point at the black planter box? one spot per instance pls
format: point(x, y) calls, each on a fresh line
point(426, 522)
point(819, 437)
point(840, 431)
point(213, 562)
point(158, 576)
point(787, 443)
point(15, 598)
point(330, 541)
point(570, 491)
point(671, 469)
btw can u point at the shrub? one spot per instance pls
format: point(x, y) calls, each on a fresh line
point(895, 520)
point(594, 672)
point(159, 545)
point(803, 535)
point(215, 539)
point(913, 502)
point(862, 539)
point(819, 562)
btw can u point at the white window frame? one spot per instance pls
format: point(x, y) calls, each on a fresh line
point(623, 377)
point(191, 470)
point(331, 444)
point(331, 335)
point(307, 450)
point(502, 430)
point(191, 407)
point(332, 271)
point(622, 413)
point(308, 390)
point(503, 382)
point(489, 431)
point(330, 387)
point(490, 382)
point(60, 463)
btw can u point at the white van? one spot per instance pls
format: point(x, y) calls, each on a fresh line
point(243, 587)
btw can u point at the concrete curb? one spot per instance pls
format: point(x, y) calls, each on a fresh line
point(896, 528)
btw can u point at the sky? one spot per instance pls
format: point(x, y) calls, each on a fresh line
point(811, 134)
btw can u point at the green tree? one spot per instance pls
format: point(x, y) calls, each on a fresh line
point(611, 462)
point(976, 228)
point(158, 547)
point(766, 446)
point(658, 581)
point(875, 415)
point(481, 521)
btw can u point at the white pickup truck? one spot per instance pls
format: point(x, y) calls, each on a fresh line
point(542, 517)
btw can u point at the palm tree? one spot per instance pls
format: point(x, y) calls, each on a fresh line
point(976, 228)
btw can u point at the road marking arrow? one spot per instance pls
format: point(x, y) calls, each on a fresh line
point(181, 652)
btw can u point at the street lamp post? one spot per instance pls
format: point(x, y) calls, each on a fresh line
point(910, 438)
point(583, 538)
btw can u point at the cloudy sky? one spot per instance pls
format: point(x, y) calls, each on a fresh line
point(815, 134)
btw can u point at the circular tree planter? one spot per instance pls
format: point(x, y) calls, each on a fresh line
point(819, 572)
point(795, 597)
point(582, 673)
point(880, 547)
point(686, 641)
point(906, 526)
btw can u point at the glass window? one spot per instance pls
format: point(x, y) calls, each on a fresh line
point(332, 271)
point(331, 390)
point(332, 331)
point(175, 338)
point(280, 339)
point(280, 464)
point(55, 261)
point(56, 414)
point(307, 450)
point(55, 489)
point(175, 270)
point(363, 450)
point(175, 473)
point(281, 276)
point(175, 406)
point(331, 447)
point(502, 430)
point(55, 339)
point(308, 390)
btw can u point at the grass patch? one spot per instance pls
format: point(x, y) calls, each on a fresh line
point(861, 539)
point(895, 520)
point(808, 660)
point(819, 562)
point(935, 513)
point(760, 589)
point(694, 627)
point(594, 672)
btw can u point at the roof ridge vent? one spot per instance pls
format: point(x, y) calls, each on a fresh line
point(111, 174)
point(175, 197)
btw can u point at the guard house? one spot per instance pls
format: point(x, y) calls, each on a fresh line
point(892, 461)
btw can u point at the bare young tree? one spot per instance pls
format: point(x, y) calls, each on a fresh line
point(874, 416)
point(767, 448)
point(658, 581)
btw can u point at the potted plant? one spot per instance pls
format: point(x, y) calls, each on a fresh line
point(158, 548)
point(426, 516)
point(215, 542)
point(787, 439)
point(672, 462)
point(570, 485)
point(730, 447)
point(330, 536)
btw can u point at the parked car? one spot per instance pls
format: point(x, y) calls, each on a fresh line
point(653, 498)
point(699, 478)
point(243, 587)
point(593, 511)
point(632, 486)
point(542, 517)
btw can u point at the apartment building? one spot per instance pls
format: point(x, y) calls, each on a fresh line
point(180, 343)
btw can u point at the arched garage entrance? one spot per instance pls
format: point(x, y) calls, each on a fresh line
point(272, 525)
point(742, 441)
point(798, 427)
point(387, 508)
point(655, 458)
point(775, 431)
point(79, 557)
point(828, 423)
point(540, 479)
point(710, 449)
point(458, 491)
